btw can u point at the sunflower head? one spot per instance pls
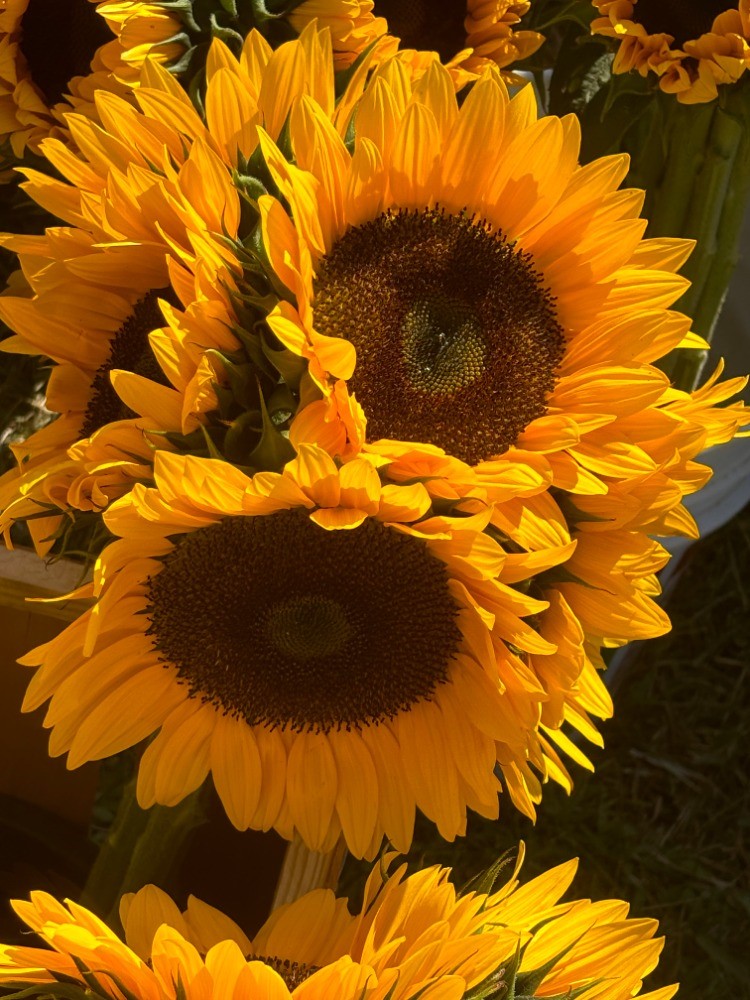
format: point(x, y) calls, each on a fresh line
point(147, 284)
point(352, 667)
point(415, 936)
point(691, 47)
point(474, 305)
point(52, 56)
point(92, 313)
point(453, 365)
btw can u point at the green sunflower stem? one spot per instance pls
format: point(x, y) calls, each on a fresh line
point(304, 870)
point(142, 846)
point(701, 192)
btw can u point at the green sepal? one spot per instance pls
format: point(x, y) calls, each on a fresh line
point(49, 510)
point(281, 7)
point(484, 882)
point(392, 991)
point(493, 987)
point(213, 450)
point(284, 141)
point(505, 540)
point(224, 400)
point(281, 404)
point(344, 77)
point(184, 9)
point(242, 437)
point(251, 189)
point(187, 444)
point(191, 61)
point(127, 995)
point(573, 514)
point(196, 88)
point(559, 574)
point(252, 344)
point(274, 450)
point(233, 39)
point(255, 166)
point(48, 991)
point(528, 983)
point(260, 12)
point(89, 978)
point(179, 988)
point(511, 975)
point(241, 376)
point(290, 366)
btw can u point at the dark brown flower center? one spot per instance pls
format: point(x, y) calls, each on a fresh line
point(293, 973)
point(59, 38)
point(457, 339)
point(682, 19)
point(130, 351)
point(283, 623)
point(434, 25)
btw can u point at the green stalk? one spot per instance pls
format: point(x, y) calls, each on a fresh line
point(702, 193)
point(684, 140)
point(718, 230)
point(142, 846)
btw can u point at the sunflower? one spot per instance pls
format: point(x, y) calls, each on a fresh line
point(148, 194)
point(491, 304)
point(606, 591)
point(467, 35)
point(481, 314)
point(87, 328)
point(693, 46)
point(414, 937)
point(95, 312)
point(156, 181)
point(53, 57)
point(364, 656)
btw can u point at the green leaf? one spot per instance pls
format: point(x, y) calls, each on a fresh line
point(582, 67)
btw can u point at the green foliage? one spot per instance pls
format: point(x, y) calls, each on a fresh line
point(22, 379)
